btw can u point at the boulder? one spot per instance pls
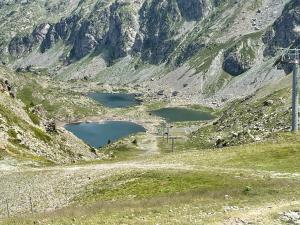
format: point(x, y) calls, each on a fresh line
point(239, 59)
point(50, 126)
point(160, 93)
point(268, 102)
point(175, 93)
point(6, 86)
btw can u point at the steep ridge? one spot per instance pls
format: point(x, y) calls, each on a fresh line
point(28, 135)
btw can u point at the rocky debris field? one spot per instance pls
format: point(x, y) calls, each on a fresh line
point(247, 120)
point(291, 217)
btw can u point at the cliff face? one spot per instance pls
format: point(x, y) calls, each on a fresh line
point(239, 58)
point(285, 32)
point(161, 22)
point(116, 28)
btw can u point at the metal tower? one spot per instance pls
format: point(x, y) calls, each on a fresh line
point(291, 56)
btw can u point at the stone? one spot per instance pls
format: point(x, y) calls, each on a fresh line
point(50, 126)
point(234, 134)
point(220, 142)
point(235, 63)
point(268, 102)
point(161, 92)
point(6, 86)
point(292, 217)
point(175, 93)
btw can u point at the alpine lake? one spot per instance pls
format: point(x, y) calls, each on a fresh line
point(99, 134)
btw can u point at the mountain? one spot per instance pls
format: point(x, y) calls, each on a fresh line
point(201, 51)
point(219, 60)
point(206, 50)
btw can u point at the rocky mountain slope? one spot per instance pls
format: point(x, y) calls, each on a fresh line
point(204, 50)
point(28, 135)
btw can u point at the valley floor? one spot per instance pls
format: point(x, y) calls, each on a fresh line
point(141, 181)
point(249, 184)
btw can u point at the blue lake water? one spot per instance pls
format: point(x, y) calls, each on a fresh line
point(99, 134)
point(182, 114)
point(115, 100)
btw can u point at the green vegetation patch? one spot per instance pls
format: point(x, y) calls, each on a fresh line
point(21, 153)
point(13, 119)
point(57, 102)
point(41, 135)
point(12, 133)
point(34, 117)
point(278, 154)
point(202, 185)
point(120, 152)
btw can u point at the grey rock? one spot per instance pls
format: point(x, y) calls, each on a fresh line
point(50, 126)
point(284, 31)
point(238, 59)
point(268, 103)
point(292, 217)
point(160, 93)
point(21, 45)
point(175, 93)
point(6, 86)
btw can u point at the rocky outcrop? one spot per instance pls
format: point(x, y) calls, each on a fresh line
point(290, 217)
point(7, 87)
point(193, 9)
point(44, 35)
point(84, 42)
point(285, 32)
point(115, 29)
point(247, 120)
point(122, 31)
point(159, 21)
point(21, 45)
point(188, 51)
point(234, 64)
point(239, 58)
point(50, 126)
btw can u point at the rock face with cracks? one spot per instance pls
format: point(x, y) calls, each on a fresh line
point(116, 28)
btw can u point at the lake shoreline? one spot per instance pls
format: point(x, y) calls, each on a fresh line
point(147, 124)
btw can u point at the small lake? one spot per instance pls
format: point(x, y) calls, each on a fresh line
point(99, 134)
point(115, 100)
point(182, 114)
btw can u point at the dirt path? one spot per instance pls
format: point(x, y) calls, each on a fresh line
point(55, 187)
point(149, 145)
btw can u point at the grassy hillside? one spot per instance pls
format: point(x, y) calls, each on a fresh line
point(252, 183)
